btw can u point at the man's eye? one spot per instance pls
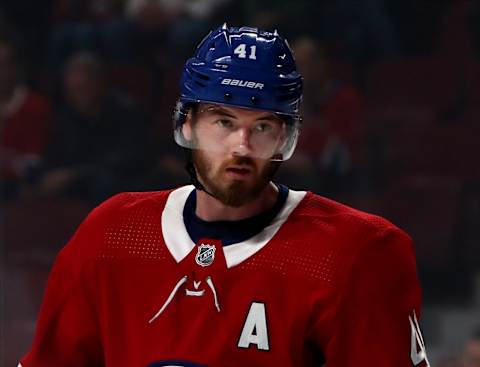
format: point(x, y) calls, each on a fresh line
point(263, 127)
point(225, 123)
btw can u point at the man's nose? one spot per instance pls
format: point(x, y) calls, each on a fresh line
point(241, 145)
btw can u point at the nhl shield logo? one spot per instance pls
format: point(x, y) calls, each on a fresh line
point(205, 255)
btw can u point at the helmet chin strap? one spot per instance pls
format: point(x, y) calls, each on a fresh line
point(190, 167)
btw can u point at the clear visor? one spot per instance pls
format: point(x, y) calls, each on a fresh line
point(249, 133)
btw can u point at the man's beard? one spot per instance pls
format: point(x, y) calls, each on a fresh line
point(237, 192)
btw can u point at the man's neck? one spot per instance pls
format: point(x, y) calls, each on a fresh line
point(211, 209)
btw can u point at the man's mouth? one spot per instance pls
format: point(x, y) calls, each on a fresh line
point(239, 171)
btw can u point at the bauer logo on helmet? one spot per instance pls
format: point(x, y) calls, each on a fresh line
point(243, 83)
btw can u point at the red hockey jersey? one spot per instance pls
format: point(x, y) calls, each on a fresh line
point(322, 284)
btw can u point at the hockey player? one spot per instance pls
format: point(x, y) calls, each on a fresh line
point(234, 270)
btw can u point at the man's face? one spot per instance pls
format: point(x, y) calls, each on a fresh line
point(82, 88)
point(234, 147)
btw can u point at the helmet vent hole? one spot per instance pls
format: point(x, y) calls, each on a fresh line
point(284, 97)
point(202, 76)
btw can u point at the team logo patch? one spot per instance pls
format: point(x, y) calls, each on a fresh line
point(205, 255)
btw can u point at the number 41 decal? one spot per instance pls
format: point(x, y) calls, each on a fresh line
point(241, 51)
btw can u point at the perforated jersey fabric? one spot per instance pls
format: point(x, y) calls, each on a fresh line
point(322, 284)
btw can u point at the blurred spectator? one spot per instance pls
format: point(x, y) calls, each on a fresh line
point(471, 353)
point(31, 21)
point(165, 26)
point(454, 42)
point(100, 142)
point(278, 14)
point(360, 32)
point(71, 11)
point(449, 362)
point(473, 27)
point(418, 24)
point(25, 118)
point(132, 31)
point(87, 25)
point(332, 121)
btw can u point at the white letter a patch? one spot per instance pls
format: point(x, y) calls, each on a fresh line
point(255, 328)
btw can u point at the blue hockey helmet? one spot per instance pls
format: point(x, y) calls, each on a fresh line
point(247, 68)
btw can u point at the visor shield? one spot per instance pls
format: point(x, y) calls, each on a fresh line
point(269, 136)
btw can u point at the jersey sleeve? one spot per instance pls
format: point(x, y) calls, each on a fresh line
point(375, 322)
point(67, 331)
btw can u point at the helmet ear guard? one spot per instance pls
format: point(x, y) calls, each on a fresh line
point(243, 68)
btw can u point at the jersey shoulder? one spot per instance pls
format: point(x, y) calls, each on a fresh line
point(326, 229)
point(127, 202)
point(317, 210)
point(122, 222)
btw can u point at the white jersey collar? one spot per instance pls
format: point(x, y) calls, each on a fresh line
point(180, 244)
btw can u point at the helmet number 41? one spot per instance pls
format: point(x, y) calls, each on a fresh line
point(241, 51)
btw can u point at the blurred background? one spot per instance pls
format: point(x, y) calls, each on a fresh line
point(391, 126)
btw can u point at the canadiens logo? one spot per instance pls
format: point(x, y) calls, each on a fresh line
point(205, 255)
